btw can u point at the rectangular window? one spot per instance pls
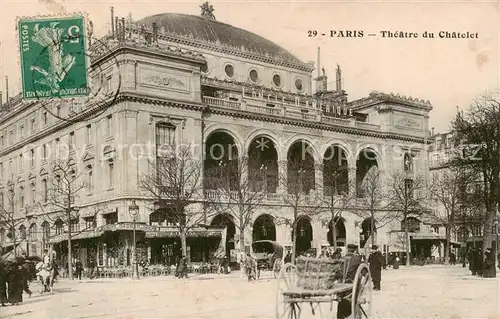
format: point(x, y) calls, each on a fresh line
point(89, 135)
point(409, 187)
point(71, 141)
point(58, 111)
point(44, 118)
point(75, 225)
point(111, 175)
point(90, 182)
point(11, 168)
point(33, 125)
point(44, 152)
point(21, 131)
point(109, 125)
point(33, 194)
point(11, 137)
point(21, 162)
point(1, 141)
point(90, 222)
point(32, 154)
point(45, 190)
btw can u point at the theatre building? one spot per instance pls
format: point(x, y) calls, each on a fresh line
point(171, 78)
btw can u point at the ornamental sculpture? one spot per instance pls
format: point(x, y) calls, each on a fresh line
point(207, 11)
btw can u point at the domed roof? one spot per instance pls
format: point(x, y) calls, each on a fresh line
point(200, 28)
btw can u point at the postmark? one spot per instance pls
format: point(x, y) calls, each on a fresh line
point(57, 69)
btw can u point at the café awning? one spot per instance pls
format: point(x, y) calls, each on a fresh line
point(78, 236)
point(433, 236)
point(128, 226)
point(196, 232)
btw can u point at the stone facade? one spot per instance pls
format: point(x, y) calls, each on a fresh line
point(186, 82)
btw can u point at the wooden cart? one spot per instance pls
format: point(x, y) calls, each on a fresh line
point(317, 281)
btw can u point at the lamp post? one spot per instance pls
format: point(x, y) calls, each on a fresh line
point(134, 212)
point(496, 240)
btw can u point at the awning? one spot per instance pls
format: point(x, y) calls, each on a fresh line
point(83, 235)
point(128, 226)
point(192, 233)
point(20, 249)
point(428, 236)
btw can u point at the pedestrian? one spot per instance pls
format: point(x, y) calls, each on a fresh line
point(26, 275)
point(471, 256)
point(78, 269)
point(478, 262)
point(182, 267)
point(5, 268)
point(489, 270)
point(353, 260)
point(91, 268)
point(376, 260)
point(396, 263)
point(337, 254)
point(453, 259)
point(16, 282)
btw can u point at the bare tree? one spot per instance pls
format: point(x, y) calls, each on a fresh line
point(175, 183)
point(448, 189)
point(236, 193)
point(334, 200)
point(406, 193)
point(372, 203)
point(299, 183)
point(9, 220)
point(479, 129)
point(61, 200)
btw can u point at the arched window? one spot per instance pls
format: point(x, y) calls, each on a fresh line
point(59, 227)
point(21, 196)
point(45, 231)
point(22, 232)
point(33, 232)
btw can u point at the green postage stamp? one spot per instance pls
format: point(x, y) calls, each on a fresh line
point(53, 59)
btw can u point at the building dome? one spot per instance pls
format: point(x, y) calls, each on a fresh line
point(204, 29)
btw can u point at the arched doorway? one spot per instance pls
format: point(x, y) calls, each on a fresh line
point(340, 233)
point(335, 171)
point(264, 228)
point(221, 162)
point(366, 232)
point(304, 235)
point(301, 175)
point(226, 220)
point(263, 165)
point(366, 160)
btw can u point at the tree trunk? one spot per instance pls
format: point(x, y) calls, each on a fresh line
point(488, 224)
point(407, 243)
point(184, 243)
point(242, 241)
point(334, 235)
point(294, 235)
point(372, 229)
point(447, 246)
point(70, 258)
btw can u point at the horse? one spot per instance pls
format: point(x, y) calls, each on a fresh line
point(45, 274)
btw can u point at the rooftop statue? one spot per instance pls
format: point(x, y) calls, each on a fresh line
point(207, 11)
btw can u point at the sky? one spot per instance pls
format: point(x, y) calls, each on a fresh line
point(447, 72)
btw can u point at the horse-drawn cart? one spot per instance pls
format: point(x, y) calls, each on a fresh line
point(316, 282)
point(269, 254)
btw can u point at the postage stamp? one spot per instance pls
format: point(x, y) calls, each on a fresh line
point(53, 59)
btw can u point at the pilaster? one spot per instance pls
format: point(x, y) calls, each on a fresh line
point(352, 180)
point(318, 177)
point(283, 174)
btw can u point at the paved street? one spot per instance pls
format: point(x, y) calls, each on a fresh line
point(416, 292)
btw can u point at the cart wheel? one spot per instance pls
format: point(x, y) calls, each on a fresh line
point(361, 300)
point(287, 281)
point(277, 267)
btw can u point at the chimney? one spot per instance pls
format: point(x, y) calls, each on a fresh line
point(318, 62)
point(7, 102)
point(116, 33)
point(338, 78)
point(112, 22)
point(1, 102)
point(155, 33)
point(123, 28)
point(432, 131)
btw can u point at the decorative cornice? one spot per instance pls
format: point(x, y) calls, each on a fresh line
point(378, 97)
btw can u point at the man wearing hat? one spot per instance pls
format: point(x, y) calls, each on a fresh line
point(376, 261)
point(489, 270)
point(353, 260)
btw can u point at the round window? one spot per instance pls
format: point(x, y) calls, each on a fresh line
point(204, 68)
point(277, 80)
point(254, 76)
point(298, 84)
point(229, 70)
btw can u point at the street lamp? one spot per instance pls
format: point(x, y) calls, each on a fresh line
point(134, 212)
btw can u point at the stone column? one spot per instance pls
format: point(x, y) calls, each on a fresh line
point(282, 177)
point(318, 178)
point(244, 169)
point(352, 179)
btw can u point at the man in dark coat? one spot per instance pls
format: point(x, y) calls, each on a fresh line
point(16, 282)
point(353, 260)
point(478, 262)
point(5, 267)
point(489, 270)
point(78, 269)
point(376, 261)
